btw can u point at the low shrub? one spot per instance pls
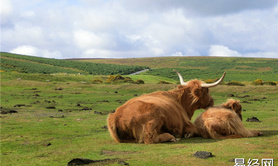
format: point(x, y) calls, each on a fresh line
point(115, 78)
point(258, 82)
point(121, 79)
point(270, 83)
point(97, 81)
point(139, 82)
point(163, 82)
point(235, 83)
point(128, 79)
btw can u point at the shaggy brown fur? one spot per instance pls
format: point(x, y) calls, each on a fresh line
point(224, 121)
point(159, 116)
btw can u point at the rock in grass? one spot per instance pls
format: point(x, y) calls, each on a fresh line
point(121, 162)
point(7, 111)
point(203, 154)
point(253, 119)
point(80, 161)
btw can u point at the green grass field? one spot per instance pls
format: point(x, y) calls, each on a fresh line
point(74, 128)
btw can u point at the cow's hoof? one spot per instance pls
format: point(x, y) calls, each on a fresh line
point(173, 140)
point(189, 135)
point(260, 133)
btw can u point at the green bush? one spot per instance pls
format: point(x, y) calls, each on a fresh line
point(115, 78)
point(97, 81)
point(258, 82)
point(121, 79)
point(235, 83)
point(139, 82)
point(270, 83)
point(128, 80)
point(163, 82)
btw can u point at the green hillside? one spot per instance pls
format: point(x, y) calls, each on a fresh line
point(238, 69)
point(30, 64)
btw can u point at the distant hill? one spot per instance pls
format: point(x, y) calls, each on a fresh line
point(31, 64)
point(238, 69)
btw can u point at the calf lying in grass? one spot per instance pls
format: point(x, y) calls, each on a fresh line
point(223, 122)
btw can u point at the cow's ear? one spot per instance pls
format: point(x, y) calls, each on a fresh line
point(235, 106)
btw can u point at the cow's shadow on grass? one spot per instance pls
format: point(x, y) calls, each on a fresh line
point(196, 140)
point(269, 133)
point(266, 133)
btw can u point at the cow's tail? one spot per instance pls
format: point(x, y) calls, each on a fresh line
point(112, 127)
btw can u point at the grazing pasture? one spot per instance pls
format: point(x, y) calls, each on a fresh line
point(60, 118)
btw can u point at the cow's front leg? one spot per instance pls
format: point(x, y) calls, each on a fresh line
point(190, 130)
point(152, 133)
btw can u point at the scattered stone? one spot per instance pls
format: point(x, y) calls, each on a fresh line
point(232, 160)
point(34, 88)
point(7, 111)
point(231, 95)
point(51, 107)
point(272, 110)
point(80, 161)
point(123, 162)
point(78, 105)
point(86, 108)
point(49, 144)
point(36, 95)
point(104, 127)
point(253, 119)
point(255, 99)
point(135, 95)
point(244, 110)
point(203, 154)
point(121, 101)
point(246, 102)
point(264, 98)
point(60, 110)
point(104, 101)
point(97, 112)
point(243, 96)
point(19, 105)
point(116, 92)
point(59, 88)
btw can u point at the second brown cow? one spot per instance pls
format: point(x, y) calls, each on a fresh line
point(224, 121)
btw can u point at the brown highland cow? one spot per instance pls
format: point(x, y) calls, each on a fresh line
point(223, 122)
point(160, 116)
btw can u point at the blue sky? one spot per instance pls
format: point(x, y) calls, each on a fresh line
point(139, 28)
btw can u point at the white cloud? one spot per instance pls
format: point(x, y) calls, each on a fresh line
point(34, 51)
point(5, 7)
point(222, 51)
point(25, 49)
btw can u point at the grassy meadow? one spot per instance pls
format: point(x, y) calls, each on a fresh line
point(62, 117)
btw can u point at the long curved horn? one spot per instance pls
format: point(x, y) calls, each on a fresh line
point(181, 79)
point(214, 84)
